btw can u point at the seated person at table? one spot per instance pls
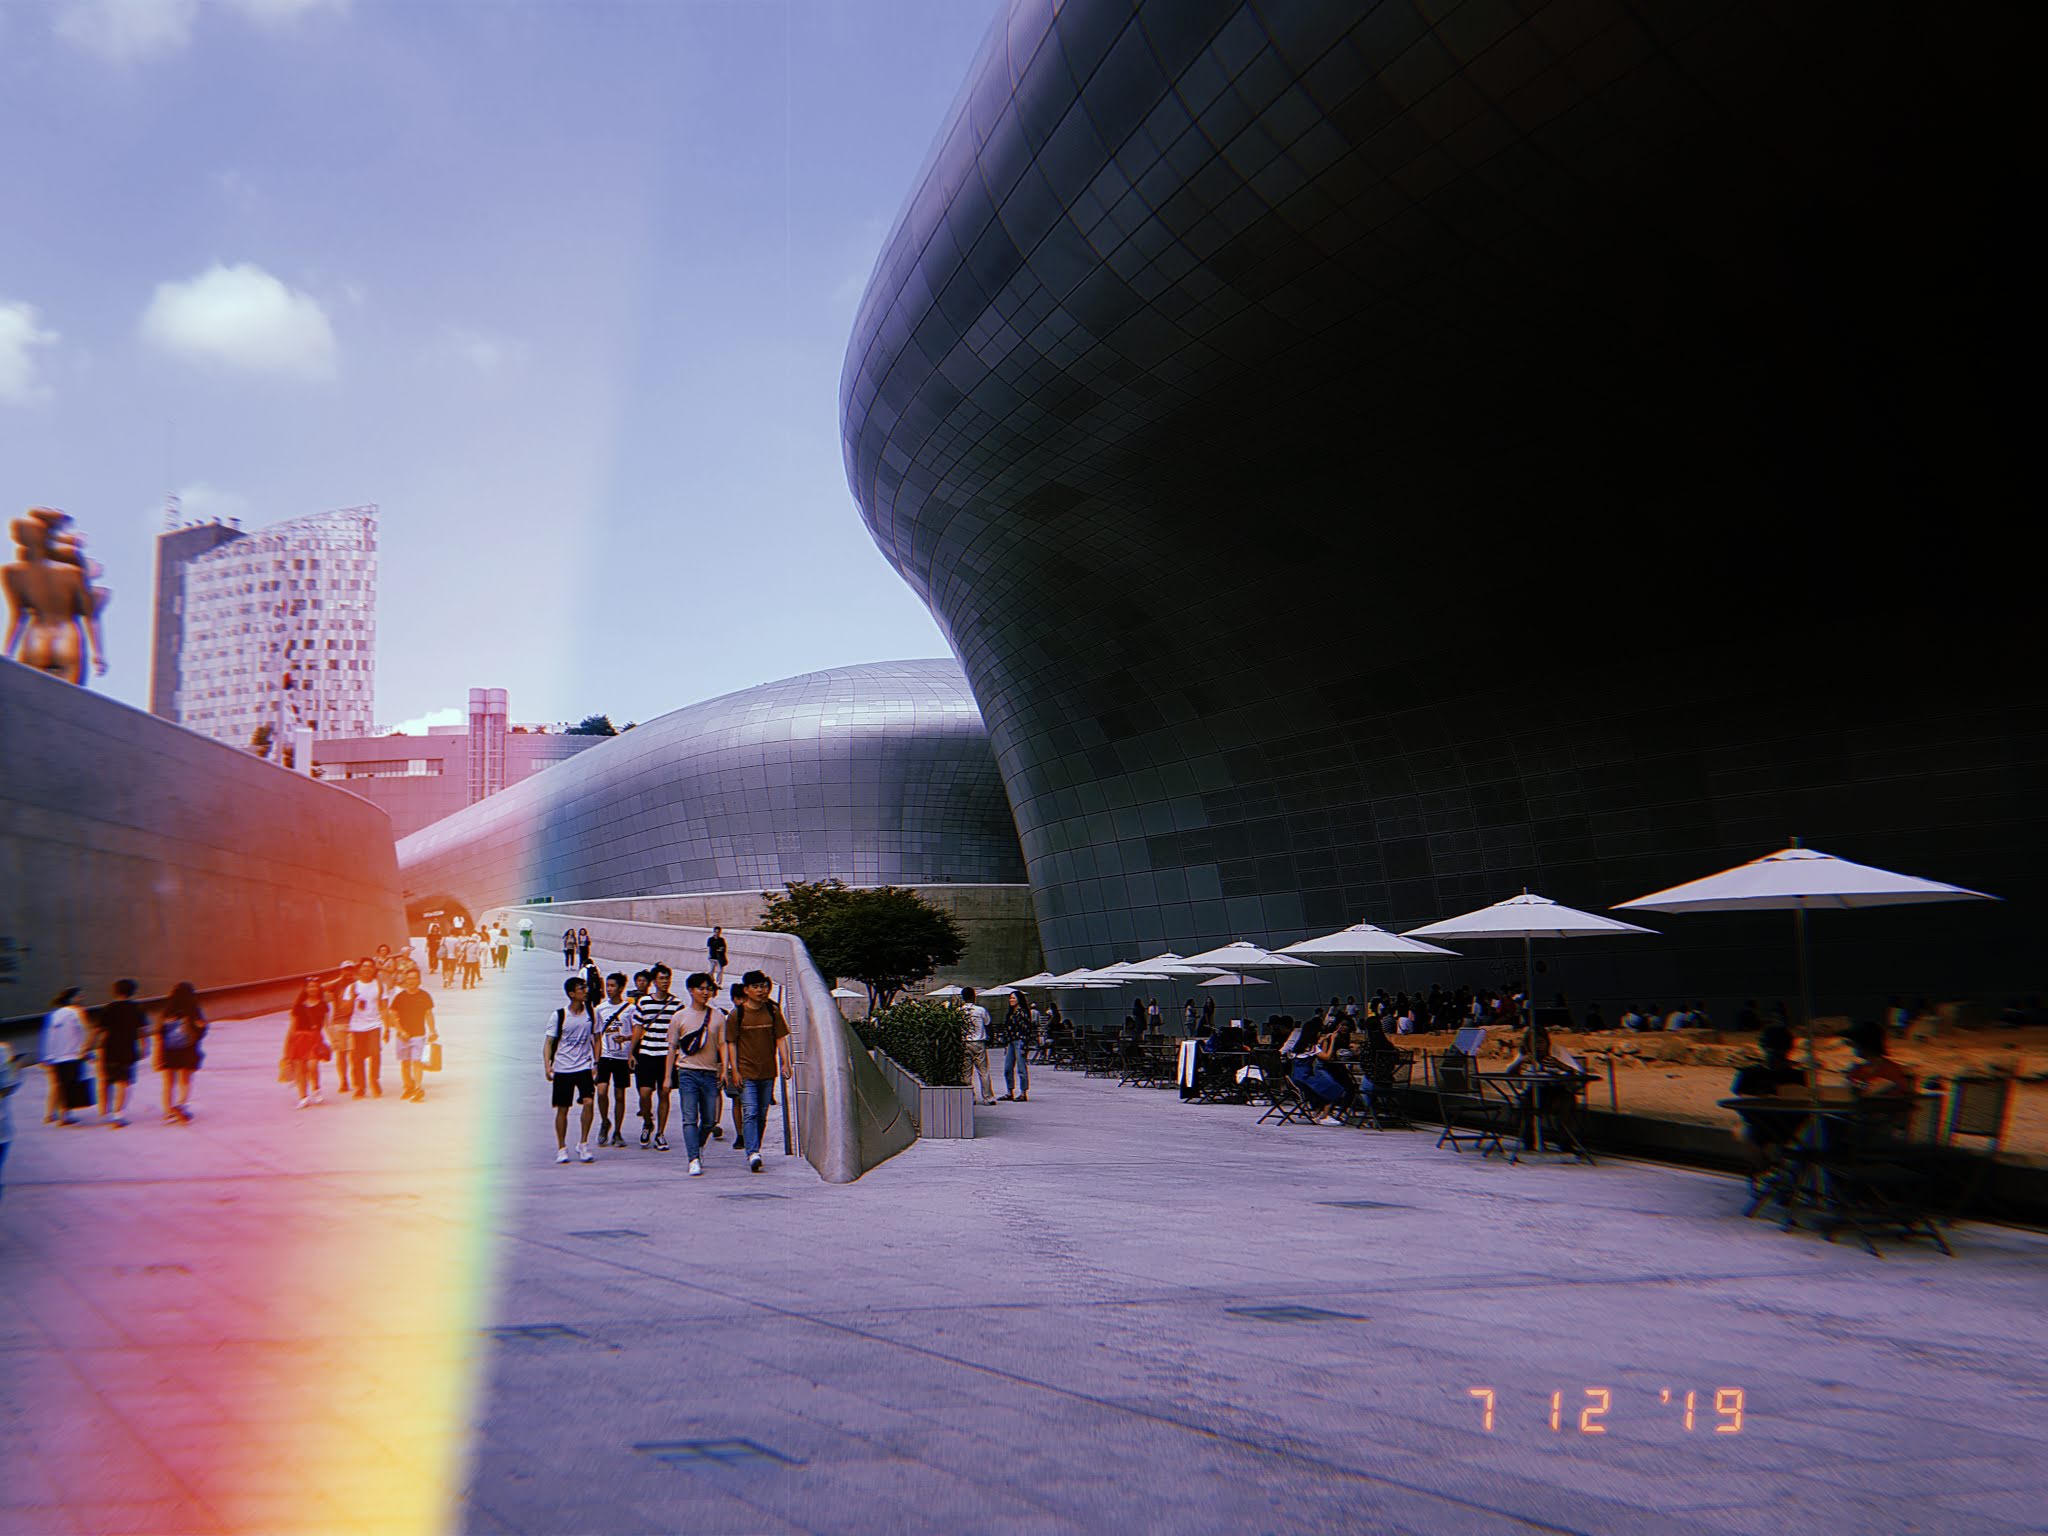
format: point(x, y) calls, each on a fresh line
point(1874, 1072)
point(1326, 1080)
point(1766, 1132)
point(1538, 1056)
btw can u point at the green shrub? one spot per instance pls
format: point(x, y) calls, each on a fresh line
point(923, 1037)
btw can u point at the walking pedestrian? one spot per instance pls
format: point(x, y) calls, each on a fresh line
point(473, 963)
point(363, 1002)
point(451, 961)
point(569, 949)
point(387, 968)
point(583, 946)
point(756, 1055)
point(337, 1019)
point(10, 1080)
point(305, 1041)
point(651, 1018)
point(414, 1030)
point(434, 945)
point(180, 1028)
point(62, 1051)
point(526, 933)
point(568, 1058)
point(615, 1059)
point(696, 1055)
point(714, 950)
point(735, 996)
point(1017, 1036)
point(503, 946)
point(118, 1043)
point(974, 1034)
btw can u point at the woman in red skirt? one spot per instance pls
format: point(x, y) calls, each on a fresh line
point(305, 1041)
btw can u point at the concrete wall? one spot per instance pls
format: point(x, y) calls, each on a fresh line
point(133, 847)
point(1002, 934)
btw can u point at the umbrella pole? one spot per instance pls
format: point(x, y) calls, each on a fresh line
point(1806, 998)
point(1529, 996)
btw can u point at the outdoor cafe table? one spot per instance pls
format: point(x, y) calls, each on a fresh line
point(1537, 1111)
point(1829, 1128)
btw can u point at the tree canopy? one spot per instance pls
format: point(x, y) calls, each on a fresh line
point(884, 937)
point(593, 725)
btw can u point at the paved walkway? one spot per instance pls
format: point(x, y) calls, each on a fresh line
point(1109, 1312)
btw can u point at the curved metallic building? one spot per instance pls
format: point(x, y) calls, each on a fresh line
point(1371, 458)
point(875, 774)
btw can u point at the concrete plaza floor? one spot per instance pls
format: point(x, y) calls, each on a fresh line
point(1108, 1312)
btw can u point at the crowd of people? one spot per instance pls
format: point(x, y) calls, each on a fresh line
point(90, 1056)
point(617, 1035)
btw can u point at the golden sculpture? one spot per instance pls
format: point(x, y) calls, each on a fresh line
point(53, 609)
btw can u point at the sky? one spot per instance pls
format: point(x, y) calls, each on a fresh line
point(564, 288)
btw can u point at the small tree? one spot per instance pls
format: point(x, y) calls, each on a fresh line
point(801, 906)
point(884, 937)
point(593, 725)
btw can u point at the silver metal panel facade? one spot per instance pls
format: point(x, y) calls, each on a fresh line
point(1370, 458)
point(875, 775)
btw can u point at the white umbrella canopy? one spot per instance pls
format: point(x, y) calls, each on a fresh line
point(1800, 880)
point(1363, 940)
point(993, 991)
point(1232, 979)
point(1170, 964)
point(1242, 955)
point(1527, 917)
point(946, 991)
point(1031, 981)
point(1795, 879)
point(843, 993)
point(1121, 971)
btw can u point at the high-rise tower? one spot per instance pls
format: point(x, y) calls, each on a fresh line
point(276, 627)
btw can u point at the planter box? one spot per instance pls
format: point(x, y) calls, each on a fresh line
point(938, 1113)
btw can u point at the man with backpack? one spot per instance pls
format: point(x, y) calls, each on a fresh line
point(569, 1058)
point(756, 1054)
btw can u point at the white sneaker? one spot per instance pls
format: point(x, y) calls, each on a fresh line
point(316, 1097)
point(754, 1161)
point(696, 1168)
point(305, 1102)
point(561, 1154)
point(583, 1153)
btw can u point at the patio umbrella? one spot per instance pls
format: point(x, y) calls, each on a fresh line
point(848, 992)
point(1031, 981)
point(1799, 880)
point(1363, 940)
point(948, 990)
point(1527, 917)
point(1240, 956)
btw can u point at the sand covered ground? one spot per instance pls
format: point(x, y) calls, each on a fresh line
point(1680, 1077)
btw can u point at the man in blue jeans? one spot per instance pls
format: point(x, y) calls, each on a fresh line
point(756, 1053)
point(696, 1053)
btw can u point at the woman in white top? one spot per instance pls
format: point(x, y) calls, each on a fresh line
point(63, 1054)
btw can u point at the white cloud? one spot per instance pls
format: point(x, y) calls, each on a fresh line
point(244, 318)
point(278, 11)
point(123, 31)
point(200, 502)
point(483, 352)
point(433, 717)
point(19, 332)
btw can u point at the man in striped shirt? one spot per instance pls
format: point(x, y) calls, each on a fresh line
point(651, 1019)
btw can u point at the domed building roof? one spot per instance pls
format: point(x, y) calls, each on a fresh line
point(876, 774)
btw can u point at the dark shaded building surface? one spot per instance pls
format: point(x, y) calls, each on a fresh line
point(1371, 458)
point(875, 775)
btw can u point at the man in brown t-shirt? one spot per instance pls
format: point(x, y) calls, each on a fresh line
point(756, 1053)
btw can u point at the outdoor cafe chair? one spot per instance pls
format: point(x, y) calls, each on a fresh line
point(1979, 1109)
point(1382, 1097)
point(1286, 1103)
point(1470, 1114)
